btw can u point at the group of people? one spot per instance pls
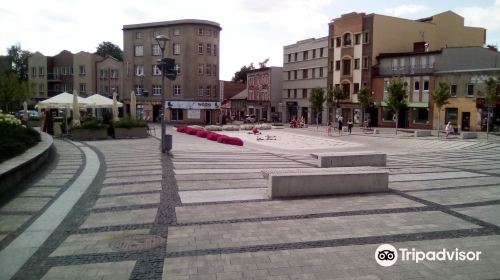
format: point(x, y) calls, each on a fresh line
point(297, 124)
point(340, 121)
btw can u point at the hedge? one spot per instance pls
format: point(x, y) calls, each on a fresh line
point(202, 133)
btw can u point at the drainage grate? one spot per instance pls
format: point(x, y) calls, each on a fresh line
point(137, 242)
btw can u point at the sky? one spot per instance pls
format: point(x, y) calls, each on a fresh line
point(252, 30)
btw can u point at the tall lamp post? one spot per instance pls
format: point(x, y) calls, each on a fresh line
point(162, 42)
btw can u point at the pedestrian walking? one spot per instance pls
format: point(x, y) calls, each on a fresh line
point(340, 119)
point(329, 128)
point(448, 129)
point(349, 126)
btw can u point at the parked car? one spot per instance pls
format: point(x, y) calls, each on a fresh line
point(250, 118)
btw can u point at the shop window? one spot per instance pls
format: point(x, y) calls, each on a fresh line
point(451, 115)
point(387, 114)
point(177, 115)
point(420, 115)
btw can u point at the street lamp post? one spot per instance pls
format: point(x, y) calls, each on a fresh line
point(162, 42)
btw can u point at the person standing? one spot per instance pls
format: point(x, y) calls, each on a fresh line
point(329, 128)
point(340, 119)
point(349, 126)
point(448, 129)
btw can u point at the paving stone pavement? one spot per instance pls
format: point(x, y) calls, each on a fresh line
point(202, 212)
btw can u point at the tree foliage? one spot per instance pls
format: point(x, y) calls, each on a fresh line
point(365, 97)
point(491, 91)
point(396, 100)
point(440, 96)
point(241, 76)
point(13, 90)
point(107, 48)
point(316, 99)
point(18, 59)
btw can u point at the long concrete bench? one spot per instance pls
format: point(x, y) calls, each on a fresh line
point(325, 181)
point(469, 135)
point(422, 133)
point(346, 159)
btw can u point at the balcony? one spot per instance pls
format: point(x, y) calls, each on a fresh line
point(406, 70)
point(53, 77)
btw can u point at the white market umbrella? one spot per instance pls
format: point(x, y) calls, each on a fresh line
point(62, 100)
point(133, 105)
point(99, 101)
point(115, 108)
point(76, 110)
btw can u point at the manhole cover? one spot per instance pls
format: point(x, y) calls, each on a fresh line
point(137, 242)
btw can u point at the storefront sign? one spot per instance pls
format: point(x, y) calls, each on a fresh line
point(197, 105)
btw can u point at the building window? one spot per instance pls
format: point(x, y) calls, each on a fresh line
point(115, 74)
point(356, 63)
point(178, 68)
point(321, 52)
point(338, 42)
point(215, 50)
point(177, 115)
point(214, 90)
point(200, 48)
point(337, 65)
point(156, 70)
point(139, 70)
point(289, 73)
point(83, 88)
point(103, 74)
point(40, 71)
point(420, 115)
point(295, 93)
point(208, 91)
point(177, 48)
point(346, 88)
point(365, 62)
point(215, 33)
point(214, 70)
point(177, 90)
point(71, 70)
point(289, 93)
point(295, 74)
point(138, 35)
point(453, 90)
point(305, 55)
point(356, 87)
point(314, 53)
point(426, 85)
point(200, 91)
point(387, 114)
point(208, 70)
point(331, 66)
point(304, 93)
point(451, 115)
point(177, 32)
point(416, 86)
point(33, 71)
point(82, 70)
point(139, 89)
point(41, 88)
point(209, 49)
point(156, 33)
point(289, 57)
point(346, 67)
point(366, 38)
point(347, 39)
point(200, 69)
point(470, 90)
point(139, 51)
point(357, 39)
point(296, 55)
point(304, 74)
point(157, 90)
point(313, 73)
point(321, 72)
point(200, 31)
point(156, 50)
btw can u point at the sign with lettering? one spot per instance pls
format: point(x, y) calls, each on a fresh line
point(196, 105)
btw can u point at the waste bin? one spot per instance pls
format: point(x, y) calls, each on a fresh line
point(167, 146)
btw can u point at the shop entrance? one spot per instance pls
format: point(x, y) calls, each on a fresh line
point(465, 121)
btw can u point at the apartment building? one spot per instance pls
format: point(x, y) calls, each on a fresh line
point(264, 92)
point(356, 39)
point(109, 77)
point(193, 97)
point(304, 68)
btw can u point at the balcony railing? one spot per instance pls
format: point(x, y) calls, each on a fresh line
point(53, 77)
point(406, 70)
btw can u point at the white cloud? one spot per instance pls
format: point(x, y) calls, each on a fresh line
point(405, 10)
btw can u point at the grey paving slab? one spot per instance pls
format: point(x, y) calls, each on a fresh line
point(126, 200)
point(458, 196)
point(222, 176)
point(221, 184)
point(40, 191)
point(239, 167)
point(12, 222)
point(117, 218)
point(150, 171)
point(131, 179)
point(276, 208)
point(97, 271)
point(223, 195)
point(343, 262)
point(490, 214)
point(131, 168)
point(433, 184)
point(52, 182)
point(284, 231)
point(29, 204)
point(220, 171)
point(130, 188)
point(433, 176)
point(92, 243)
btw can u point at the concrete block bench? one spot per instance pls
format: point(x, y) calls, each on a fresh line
point(469, 135)
point(345, 159)
point(283, 183)
point(422, 133)
point(376, 131)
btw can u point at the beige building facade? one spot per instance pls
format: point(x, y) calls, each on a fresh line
point(193, 97)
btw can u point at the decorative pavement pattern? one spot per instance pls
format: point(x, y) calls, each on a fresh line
point(203, 213)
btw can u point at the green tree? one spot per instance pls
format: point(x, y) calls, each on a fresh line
point(329, 102)
point(491, 99)
point(13, 90)
point(241, 76)
point(107, 48)
point(335, 95)
point(396, 100)
point(365, 98)
point(440, 97)
point(316, 99)
point(18, 59)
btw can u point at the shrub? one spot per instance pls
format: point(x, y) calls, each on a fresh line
point(91, 123)
point(232, 141)
point(202, 133)
point(15, 138)
point(127, 122)
point(213, 128)
point(196, 127)
point(212, 136)
point(221, 138)
point(263, 126)
point(231, 127)
point(182, 129)
point(246, 126)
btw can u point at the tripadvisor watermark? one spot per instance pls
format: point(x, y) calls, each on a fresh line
point(388, 255)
